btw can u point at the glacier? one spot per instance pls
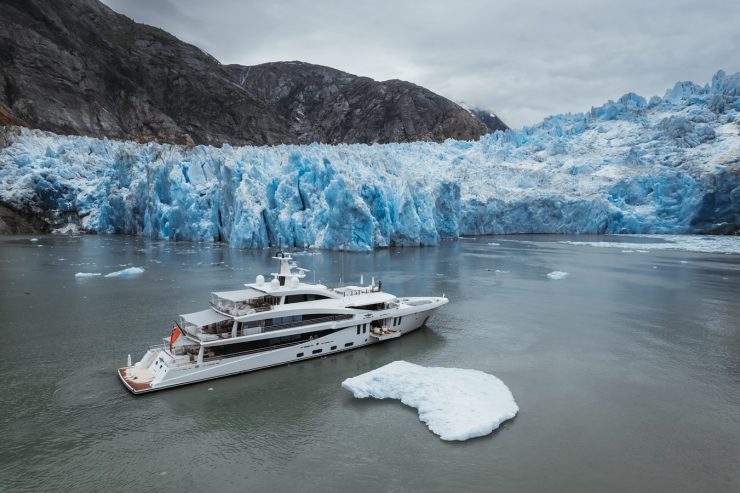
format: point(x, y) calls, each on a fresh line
point(669, 165)
point(455, 403)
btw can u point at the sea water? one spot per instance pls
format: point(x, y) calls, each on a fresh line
point(626, 370)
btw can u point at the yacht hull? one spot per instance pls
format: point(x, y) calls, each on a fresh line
point(353, 334)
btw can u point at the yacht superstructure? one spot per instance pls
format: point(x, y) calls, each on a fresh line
point(273, 323)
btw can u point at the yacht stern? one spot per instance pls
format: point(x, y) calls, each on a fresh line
point(137, 380)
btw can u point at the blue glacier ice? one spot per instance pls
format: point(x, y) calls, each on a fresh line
point(669, 165)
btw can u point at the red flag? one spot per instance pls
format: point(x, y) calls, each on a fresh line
point(174, 335)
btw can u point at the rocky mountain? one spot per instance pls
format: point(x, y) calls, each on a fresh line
point(327, 105)
point(78, 67)
point(491, 120)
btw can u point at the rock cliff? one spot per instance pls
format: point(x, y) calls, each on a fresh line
point(78, 67)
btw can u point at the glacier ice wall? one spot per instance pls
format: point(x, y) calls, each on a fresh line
point(668, 165)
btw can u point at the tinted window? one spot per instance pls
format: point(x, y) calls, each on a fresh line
point(300, 298)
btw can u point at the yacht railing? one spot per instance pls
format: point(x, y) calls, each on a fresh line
point(234, 311)
point(196, 333)
point(344, 291)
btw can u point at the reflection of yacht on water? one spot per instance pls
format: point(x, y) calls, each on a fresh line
point(272, 323)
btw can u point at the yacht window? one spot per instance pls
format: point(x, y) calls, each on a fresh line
point(316, 351)
point(358, 330)
point(399, 320)
point(333, 348)
point(300, 298)
point(349, 344)
point(373, 306)
point(364, 328)
point(299, 355)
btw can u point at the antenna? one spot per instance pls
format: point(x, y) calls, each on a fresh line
point(313, 264)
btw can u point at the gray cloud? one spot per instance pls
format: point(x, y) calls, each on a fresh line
point(524, 60)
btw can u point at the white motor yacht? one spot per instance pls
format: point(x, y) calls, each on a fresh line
point(273, 323)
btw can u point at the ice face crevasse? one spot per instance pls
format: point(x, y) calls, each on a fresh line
point(670, 165)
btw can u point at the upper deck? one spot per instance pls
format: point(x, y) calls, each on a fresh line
point(283, 304)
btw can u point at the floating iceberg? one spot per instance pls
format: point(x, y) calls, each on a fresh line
point(88, 274)
point(557, 275)
point(670, 166)
point(130, 272)
point(455, 404)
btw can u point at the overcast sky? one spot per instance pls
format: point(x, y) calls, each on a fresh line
point(523, 60)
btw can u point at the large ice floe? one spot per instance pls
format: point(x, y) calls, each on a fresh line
point(669, 165)
point(456, 404)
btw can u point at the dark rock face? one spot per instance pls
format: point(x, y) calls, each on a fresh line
point(492, 122)
point(77, 67)
point(327, 105)
point(14, 222)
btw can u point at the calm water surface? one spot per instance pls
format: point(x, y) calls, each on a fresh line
point(627, 372)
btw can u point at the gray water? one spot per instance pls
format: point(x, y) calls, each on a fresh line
point(627, 372)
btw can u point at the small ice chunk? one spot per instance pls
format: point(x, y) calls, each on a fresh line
point(88, 274)
point(455, 403)
point(557, 275)
point(493, 243)
point(69, 229)
point(34, 240)
point(131, 271)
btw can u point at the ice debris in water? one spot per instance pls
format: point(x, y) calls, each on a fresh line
point(557, 275)
point(455, 403)
point(131, 271)
point(87, 274)
point(687, 243)
point(629, 166)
